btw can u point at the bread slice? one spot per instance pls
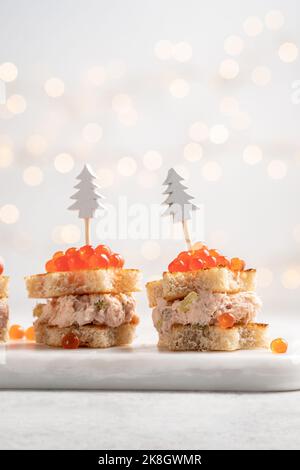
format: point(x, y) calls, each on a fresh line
point(89, 281)
point(214, 338)
point(90, 336)
point(4, 281)
point(3, 335)
point(177, 285)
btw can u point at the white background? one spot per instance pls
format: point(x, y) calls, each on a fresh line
point(247, 212)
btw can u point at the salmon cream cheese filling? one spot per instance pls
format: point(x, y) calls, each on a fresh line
point(98, 309)
point(203, 308)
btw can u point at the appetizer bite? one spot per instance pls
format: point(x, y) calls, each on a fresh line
point(89, 299)
point(206, 302)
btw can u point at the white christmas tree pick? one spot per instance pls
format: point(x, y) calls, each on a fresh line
point(179, 203)
point(87, 198)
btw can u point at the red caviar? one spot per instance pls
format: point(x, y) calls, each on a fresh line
point(279, 346)
point(204, 258)
point(1, 268)
point(70, 341)
point(16, 332)
point(29, 333)
point(86, 257)
point(226, 320)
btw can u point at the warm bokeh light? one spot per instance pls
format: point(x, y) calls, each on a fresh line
point(229, 69)
point(252, 154)
point(16, 104)
point(106, 177)
point(97, 75)
point(233, 45)
point(179, 88)
point(274, 20)
point(212, 171)
point(152, 160)
point(199, 131)
point(36, 144)
point(182, 51)
point(92, 132)
point(218, 134)
point(150, 250)
point(240, 121)
point(253, 26)
point(229, 106)
point(6, 156)
point(261, 76)
point(193, 152)
point(64, 162)
point(264, 277)
point(277, 169)
point(121, 103)
point(54, 87)
point(163, 49)
point(127, 166)
point(291, 278)
point(288, 52)
point(70, 234)
point(9, 214)
point(33, 176)
point(8, 72)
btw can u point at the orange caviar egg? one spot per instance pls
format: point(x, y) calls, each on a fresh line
point(30, 334)
point(50, 266)
point(209, 261)
point(237, 264)
point(226, 320)
point(116, 260)
point(70, 341)
point(223, 261)
point(279, 346)
point(1, 268)
point(214, 253)
point(75, 262)
point(58, 254)
point(62, 263)
point(86, 251)
point(196, 263)
point(16, 332)
point(177, 265)
point(103, 250)
point(98, 261)
point(70, 251)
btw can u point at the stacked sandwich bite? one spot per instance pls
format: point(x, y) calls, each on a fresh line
point(89, 299)
point(4, 311)
point(206, 302)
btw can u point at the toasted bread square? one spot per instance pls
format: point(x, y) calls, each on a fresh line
point(90, 336)
point(214, 338)
point(177, 285)
point(92, 281)
point(4, 281)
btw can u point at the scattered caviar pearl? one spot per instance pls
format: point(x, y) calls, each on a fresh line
point(279, 346)
point(58, 254)
point(29, 334)
point(226, 320)
point(70, 341)
point(1, 268)
point(16, 332)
